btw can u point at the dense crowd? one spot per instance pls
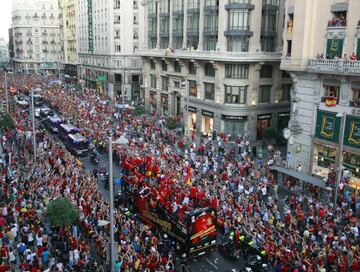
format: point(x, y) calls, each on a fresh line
point(301, 234)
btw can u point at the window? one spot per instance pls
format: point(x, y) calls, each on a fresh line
point(238, 44)
point(164, 24)
point(332, 94)
point(235, 94)
point(285, 92)
point(193, 23)
point(211, 21)
point(153, 81)
point(164, 83)
point(264, 93)
point(117, 48)
point(209, 70)
point(164, 42)
point(192, 42)
point(152, 64)
point(238, 19)
point(267, 43)
point(177, 5)
point(193, 4)
point(269, 20)
point(289, 47)
point(192, 88)
point(211, 2)
point(177, 67)
point(339, 19)
point(209, 91)
point(237, 71)
point(210, 43)
point(334, 48)
point(178, 24)
point(266, 71)
point(163, 65)
point(164, 6)
point(152, 26)
point(285, 74)
point(192, 69)
point(151, 6)
point(177, 42)
point(176, 84)
point(152, 42)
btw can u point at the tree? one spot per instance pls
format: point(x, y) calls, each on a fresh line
point(62, 213)
point(172, 122)
point(6, 121)
point(140, 110)
point(270, 133)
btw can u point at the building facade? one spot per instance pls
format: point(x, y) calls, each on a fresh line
point(321, 53)
point(108, 35)
point(228, 52)
point(36, 35)
point(4, 53)
point(69, 57)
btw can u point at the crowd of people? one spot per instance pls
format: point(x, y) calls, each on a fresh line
point(299, 234)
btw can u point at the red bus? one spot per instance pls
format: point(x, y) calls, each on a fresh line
point(195, 232)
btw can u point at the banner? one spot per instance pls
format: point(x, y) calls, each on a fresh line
point(327, 126)
point(352, 131)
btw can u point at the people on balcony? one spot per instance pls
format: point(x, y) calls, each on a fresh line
point(338, 20)
point(353, 56)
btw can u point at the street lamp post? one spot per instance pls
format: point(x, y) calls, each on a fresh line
point(341, 147)
point(186, 119)
point(33, 123)
point(6, 93)
point(111, 200)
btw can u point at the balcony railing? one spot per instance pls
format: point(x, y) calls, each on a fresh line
point(337, 23)
point(334, 66)
point(212, 55)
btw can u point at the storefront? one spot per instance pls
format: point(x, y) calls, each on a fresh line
point(207, 122)
point(324, 154)
point(153, 101)
point(262, 123)
point(324, 159)
point(351, 154)
point(234, 125)
point(192, 118)
point(283, 121)
point(164, 105)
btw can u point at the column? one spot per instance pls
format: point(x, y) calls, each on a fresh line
point(158, 26)
point(222, 26)
point(184, 45)
point(170, 23)
point(255, 26)
point(201, 25)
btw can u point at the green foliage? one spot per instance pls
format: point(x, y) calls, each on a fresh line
point(270, 133)
point(140, 110)
point(6, 121)
point(172, 123)
point(62, 213)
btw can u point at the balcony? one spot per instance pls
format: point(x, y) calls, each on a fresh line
point(45, 42)
point(328, 66)
point(210, 55)
point(336, 23)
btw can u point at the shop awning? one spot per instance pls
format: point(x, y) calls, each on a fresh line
point(338, 7)
point(301, 176)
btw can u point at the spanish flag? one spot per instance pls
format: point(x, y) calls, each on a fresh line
point(330, 101)
point(188, 177)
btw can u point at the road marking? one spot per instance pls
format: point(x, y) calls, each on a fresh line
point(213, 265)
point(216, 261)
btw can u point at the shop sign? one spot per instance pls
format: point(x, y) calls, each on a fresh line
point(90, 26)
point(352, 131)
point(208, 113)
point(284, 114)
point(327, 126)
point(262, 117)
point(230, 118)
point(192, 109)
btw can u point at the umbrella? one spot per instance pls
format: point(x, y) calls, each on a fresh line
point(121, 140)
point(102, 223)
